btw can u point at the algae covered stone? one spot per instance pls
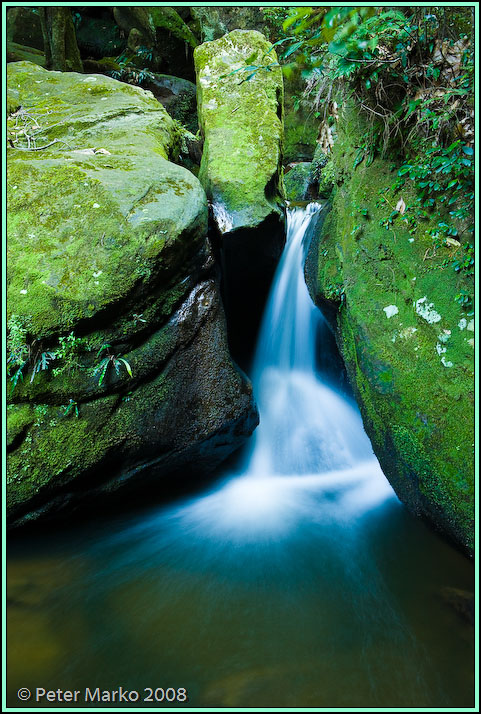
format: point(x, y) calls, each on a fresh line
point(404, 339)
point(94, 217)
point(113, 301)
point(241, 120)
point(240, 115)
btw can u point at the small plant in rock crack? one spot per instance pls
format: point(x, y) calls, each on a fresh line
point(72, 406)
point(42, 362)
point(109, 360)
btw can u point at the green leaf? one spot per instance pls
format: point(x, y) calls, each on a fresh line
point(127, 365)
point(292, 49)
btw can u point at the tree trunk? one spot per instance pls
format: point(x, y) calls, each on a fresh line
point(61, 49)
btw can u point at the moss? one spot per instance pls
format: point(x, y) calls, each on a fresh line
point(20, 417)
point(242, 126)
point(78, 219)
point(297, 182)
point(169, 19)
point(413, 377)
point(22, 53)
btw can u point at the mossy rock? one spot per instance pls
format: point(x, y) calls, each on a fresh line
point(176, 422)
point(23, 53)
point(242, 126)
point(407, 344)
point(102, 214)
point(298, 182)
point(241, 122)
point(107, 244)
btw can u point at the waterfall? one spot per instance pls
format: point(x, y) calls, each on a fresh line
point(305, 426)
point(309, 458)
point(299, 581)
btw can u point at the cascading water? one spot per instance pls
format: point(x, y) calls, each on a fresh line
point(298, 582)
point(305, 426)
point(310, 441)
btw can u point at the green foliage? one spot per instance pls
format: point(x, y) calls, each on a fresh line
point(68, 352)
point(17, 348)
point(25, 352)
point(410, 71)
point(466, 301)
point(129, 71)
point(72, 406)
point(109, 360)
point(42, 362)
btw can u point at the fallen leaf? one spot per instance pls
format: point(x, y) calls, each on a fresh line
point(401, 206)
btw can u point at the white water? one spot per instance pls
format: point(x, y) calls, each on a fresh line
point(310, 457)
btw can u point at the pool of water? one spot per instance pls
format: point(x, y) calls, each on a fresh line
point(307, 611)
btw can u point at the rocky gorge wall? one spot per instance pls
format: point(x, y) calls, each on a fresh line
point(407, 344)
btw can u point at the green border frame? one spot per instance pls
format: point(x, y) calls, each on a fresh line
point(5, 5)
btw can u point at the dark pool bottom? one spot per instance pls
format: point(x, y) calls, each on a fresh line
point(249, 595)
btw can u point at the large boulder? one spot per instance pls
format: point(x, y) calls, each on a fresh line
point(119, 367)
point(240, 115)
point(408, 345)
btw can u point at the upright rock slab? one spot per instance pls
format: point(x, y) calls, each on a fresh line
point(241, 121)
point(113, 302)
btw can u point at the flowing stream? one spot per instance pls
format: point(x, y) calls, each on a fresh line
point(297, 581)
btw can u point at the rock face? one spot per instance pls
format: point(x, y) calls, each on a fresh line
point(407, 344)
point(119, 365)
point(241, 121)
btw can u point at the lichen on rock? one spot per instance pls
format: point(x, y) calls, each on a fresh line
point(241, 123)
point(241, 120)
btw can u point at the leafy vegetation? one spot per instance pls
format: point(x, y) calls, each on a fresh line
point(410, 72)
point(129, 70)
point(109, 360)
point(26, 354)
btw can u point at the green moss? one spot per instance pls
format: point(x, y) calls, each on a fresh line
point(297, 182)
point(242, 127)
point(19, 418)
point(82, 213)
point(413, 376)
point(169, 19)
